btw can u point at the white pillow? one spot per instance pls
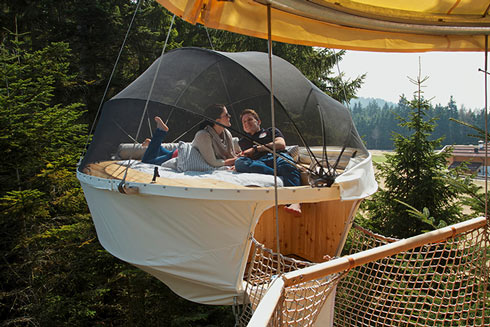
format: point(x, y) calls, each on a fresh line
point(293, 151)
point(172, 163)
point(136, 151)
point(130, 150)
point(189, 159)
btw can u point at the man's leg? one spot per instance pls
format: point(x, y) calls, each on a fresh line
point(265, 165)
point(247, 165)
point(289, 173)
point(291, 177)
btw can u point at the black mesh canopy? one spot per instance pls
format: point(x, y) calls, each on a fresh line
point(190, 79)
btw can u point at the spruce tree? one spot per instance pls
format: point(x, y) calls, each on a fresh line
point(414, 175)
point(40, 142)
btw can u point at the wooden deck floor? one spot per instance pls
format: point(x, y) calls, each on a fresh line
point(112, 170)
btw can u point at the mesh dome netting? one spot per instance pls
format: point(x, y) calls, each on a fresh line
point(190, 79)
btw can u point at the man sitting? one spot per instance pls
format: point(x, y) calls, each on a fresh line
point(258, 159)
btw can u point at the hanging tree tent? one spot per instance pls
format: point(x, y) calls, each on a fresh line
point(195, 235)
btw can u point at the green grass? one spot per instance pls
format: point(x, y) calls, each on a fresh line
point(379, 158)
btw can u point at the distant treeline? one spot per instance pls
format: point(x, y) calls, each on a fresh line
point(376, 124)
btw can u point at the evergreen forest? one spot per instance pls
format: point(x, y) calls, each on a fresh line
point(56, 58)
point(377, 124)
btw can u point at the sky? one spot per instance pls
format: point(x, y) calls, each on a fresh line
point(450, 73)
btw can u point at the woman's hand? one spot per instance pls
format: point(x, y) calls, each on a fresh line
point(230, 161)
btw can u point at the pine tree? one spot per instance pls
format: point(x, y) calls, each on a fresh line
point(413, 175)
point(40, 142)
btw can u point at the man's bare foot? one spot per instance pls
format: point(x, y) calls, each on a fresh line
point(146, 143)
point(294, 209)
point(161, 124)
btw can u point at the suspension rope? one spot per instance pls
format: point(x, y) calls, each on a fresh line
point(486, 126)
point(340, 76)
point(148, 99)
point(110, 79)
point(273, 120)
point(209, 37)
point(487, 230)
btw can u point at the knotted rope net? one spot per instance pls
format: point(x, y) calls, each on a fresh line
point(434, 283)
point(299, 304)
point(438, 284)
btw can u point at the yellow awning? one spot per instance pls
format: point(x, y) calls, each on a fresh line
point(368, 25)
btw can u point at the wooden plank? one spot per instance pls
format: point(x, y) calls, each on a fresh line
point(315, 234)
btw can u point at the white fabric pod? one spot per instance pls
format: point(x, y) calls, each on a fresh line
point(196, 240)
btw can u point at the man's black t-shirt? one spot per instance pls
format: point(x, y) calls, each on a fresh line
point(264, 136)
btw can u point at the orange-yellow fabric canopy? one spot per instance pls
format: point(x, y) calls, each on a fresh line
point(368, 25)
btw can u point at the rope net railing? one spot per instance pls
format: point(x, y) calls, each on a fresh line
point(299, 304)
point(435, 279)
point(437, 284)
point(302, 303)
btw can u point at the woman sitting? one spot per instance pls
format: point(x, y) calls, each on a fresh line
point(213, 140)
